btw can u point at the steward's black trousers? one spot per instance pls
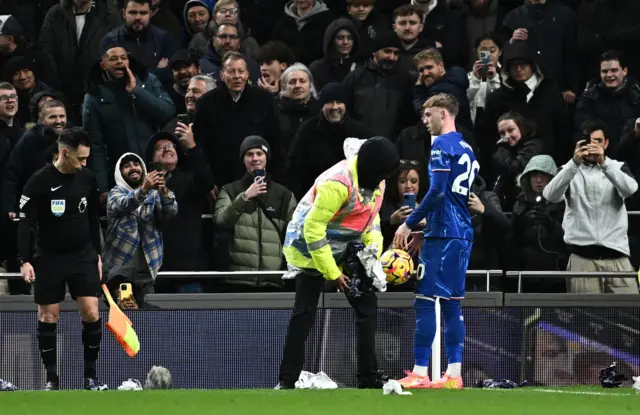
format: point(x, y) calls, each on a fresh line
point(308, 289)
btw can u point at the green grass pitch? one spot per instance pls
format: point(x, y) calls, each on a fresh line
point(565, 401)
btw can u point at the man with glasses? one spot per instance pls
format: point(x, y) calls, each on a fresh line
point(149, 44)
point(226, 38)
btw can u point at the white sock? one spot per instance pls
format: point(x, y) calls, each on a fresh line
point(454, 370)
point(421, 370)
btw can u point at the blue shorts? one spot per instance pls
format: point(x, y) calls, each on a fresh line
point(445, 264)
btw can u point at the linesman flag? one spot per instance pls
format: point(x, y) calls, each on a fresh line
point(121, 327)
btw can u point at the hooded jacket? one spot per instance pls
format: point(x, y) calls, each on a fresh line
point(537, 238)
point(537, 99)
point(303, 35)
point(190, 182)
point(338, 210)
point(119, 122)
point(595, 219)
point(188, 5)
point(330, 68)
point(132, 222)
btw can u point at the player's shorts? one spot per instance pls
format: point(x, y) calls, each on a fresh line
point(78, 270)
point(445, 264)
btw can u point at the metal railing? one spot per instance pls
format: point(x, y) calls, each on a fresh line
point(567, 274)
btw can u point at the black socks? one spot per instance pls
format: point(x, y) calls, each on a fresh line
point(91, 337)
point(48, 351)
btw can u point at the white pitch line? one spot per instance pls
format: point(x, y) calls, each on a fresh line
point(577, 392)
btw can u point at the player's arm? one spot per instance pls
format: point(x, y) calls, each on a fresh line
point(94, 215)
point(373, 235)
point(440, 170)
point(28, 216)
point(330, 197)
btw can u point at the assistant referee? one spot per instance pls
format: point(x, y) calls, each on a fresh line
point(60, 205)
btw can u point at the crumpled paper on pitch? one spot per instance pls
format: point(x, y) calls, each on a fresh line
point(636, 383)
point(369, 259)
point(320, 380)
point(130, 385)
point(392, 387)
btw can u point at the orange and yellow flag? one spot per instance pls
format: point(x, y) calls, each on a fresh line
point(121, 327)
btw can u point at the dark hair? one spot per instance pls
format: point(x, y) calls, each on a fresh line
point(361, 2)
point(232, 56)
point(614, 55)
point(125, 3)
point(408, 10)
point(74, 137)
point(526, 126)
point(212, 29)
point(391, 191)
point(275, 51)
point(492, 36)
point(589, 126)
point(53, 103)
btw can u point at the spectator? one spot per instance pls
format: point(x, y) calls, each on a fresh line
point(36, 103)
point(435, 79)
point(196, 16)
point(296, 103)
point(231, 112)
point(31, 153)
point(598, 240)
point(514, 149)
point(341, 44)
point(407, 23)
point(615, 99)
point(490, 227)
point(484, 77)
point(70, 36)
point(447, 28)
point(526, 91)
point(628, 151)
point(150, 45)
point(162, 18)
point(21, 72)
point(184, 66)
point(302, 28)
point(256, 211)
point(394, 210)
point(226, 38)
point(198, 86)
point(549, 29)
point(482, 18)
point(123, 107)
point(369, 23)
point(188, 176)
point(379, 91)
point(12, 44)
point(273, 58)
point(537, 237)
point(318, 144)
point(136, 207)
point(260, 17)
point(225, 12)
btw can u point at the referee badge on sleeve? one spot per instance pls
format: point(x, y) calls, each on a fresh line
point(57, 207)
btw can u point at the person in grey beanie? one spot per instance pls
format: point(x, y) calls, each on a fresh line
point(254, 212)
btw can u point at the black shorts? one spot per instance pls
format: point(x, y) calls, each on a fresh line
point(78, 270)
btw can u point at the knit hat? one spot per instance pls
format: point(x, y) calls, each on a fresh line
point(386, 40)
point(16, 64)
point(9, 26)
point(182, 56)
point(333, 91)
point(377, 159)
point(254, 141)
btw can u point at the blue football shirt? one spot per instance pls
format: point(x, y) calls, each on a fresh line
point(452, 169)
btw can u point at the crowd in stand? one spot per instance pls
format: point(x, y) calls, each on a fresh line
point(234, 107)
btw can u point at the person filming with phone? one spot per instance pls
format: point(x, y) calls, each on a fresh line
point(484, 78)
point(594, 188)
point(254, 211)
point(136, 207)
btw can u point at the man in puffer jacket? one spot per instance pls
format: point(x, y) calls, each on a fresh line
point(256, 211)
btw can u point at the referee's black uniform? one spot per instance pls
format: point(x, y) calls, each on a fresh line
point(61, 210)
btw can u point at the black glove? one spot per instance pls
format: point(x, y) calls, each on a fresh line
point(610, 377)
point(541, 217)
